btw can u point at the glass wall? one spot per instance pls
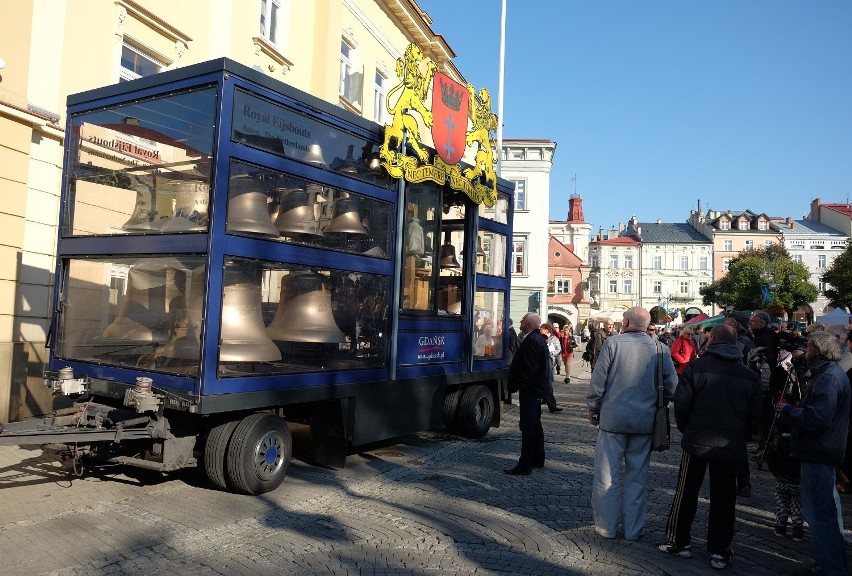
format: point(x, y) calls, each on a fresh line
point(142, 168)
point(489, 323)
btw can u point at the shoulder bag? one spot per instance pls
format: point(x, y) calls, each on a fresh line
point(661, 438)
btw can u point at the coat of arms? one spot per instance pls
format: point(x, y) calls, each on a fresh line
point(449, 118)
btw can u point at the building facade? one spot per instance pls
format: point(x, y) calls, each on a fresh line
point(527, 164)
point(342, 51)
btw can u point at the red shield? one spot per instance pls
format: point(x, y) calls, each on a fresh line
point(449, 117)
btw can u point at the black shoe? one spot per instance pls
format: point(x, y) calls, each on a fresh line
point(798, 533)
point(555, 409)
point(744, 490)
point(781, 530)
point(539, 464)
point(567, 380)
point(518, 471)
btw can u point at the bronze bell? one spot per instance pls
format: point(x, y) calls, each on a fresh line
point(243, 338)
point(314, 156)
point(185, 315)
point(141, 220)
point(247, 208)
point(143, 314)
point(190, 212)
point(304, 311)
point(447, 256)
point(346, 218)
point(296, 213)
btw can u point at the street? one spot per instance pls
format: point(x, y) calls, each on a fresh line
point(429, 503)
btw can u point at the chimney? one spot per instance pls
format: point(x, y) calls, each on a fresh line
point(789, 222)
point(815, 204)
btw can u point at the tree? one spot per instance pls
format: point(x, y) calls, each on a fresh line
point(839, 278)
point(754, 274)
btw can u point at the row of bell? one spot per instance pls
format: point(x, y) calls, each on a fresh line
point(304, 314)
point(248, 211)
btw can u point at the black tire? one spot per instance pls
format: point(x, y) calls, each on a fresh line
point(451, 411)
point(476, 411)
point(215, 453)
point(259, 454)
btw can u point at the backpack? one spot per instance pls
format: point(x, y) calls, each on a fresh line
point(757, 361)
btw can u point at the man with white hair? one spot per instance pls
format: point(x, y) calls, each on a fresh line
point(622, 401)
point(819, 426)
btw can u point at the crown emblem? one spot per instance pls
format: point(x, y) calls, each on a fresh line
point(451, 96)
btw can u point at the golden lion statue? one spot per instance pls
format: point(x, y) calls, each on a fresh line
point(415, 85)
point(484, 122)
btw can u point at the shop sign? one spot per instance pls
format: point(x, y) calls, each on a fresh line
point(460, 119)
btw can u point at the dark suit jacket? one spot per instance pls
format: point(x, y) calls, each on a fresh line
point(529, 369)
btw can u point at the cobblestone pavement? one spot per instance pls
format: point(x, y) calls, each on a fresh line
point(429, 503)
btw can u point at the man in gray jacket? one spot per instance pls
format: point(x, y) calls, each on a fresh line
point(622, 402)
point(717, 407)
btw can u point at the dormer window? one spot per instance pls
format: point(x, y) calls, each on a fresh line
point(762, 225)
point(724, 225)
point(743, 224)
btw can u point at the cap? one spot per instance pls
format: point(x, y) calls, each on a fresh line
point(556, 326)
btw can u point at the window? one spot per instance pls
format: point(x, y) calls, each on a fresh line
point(684, 287)
point(350, 79)
point(593, 285)
point(135, 64)
point(379, 94)
point(628, 261)
point(702, 285)
point(822, 286)
point(269, 11)
point(593, 261)
point(519, 256)
point(767, 243)
point(726, 264)
point(821, 261)
point(743, 225)
point(749, 244)
point(613, 286)
point(702, 263)
point(684, 262)
point(729, 246)
point(520, 195)
point(562, 285)
point(628, 286)
point(658, 262)
point(796, 258)
point(658, 287)
point(613, 260)
point(763, 225)
point(724, 225)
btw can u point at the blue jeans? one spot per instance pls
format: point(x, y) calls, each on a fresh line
point(820, 512)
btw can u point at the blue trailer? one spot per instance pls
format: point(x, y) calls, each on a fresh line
point(235, 254)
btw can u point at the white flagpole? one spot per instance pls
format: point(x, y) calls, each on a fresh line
point(500, 90)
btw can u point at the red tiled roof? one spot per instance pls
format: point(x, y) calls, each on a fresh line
point(620, 241)
point(845, 209)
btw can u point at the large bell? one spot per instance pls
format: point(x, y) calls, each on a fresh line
point(141, 219)
point(191, 209)
point(346, 218)
point(247, 208)
point(143, 314)
point(314, 156)
point(243, 338)
point(185, 314)
point(447, 256)
point(296, 213)
point(304, 311)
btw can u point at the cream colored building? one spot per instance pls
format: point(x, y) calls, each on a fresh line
point(342, 51)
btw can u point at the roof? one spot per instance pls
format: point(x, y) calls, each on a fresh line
point(845, 209)
point(680, 233)
point(808, 227)
point(620, 241)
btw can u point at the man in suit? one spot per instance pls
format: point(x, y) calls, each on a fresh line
point(529, 376)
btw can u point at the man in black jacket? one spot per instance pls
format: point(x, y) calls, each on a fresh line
point(529, 375)
point(765, 338)
point(717, 406)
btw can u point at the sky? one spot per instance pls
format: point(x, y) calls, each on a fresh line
point(659, 105)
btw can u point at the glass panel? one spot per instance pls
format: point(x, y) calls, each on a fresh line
point(281, 318)
point(492, 258)
point(142, 168)
point(135, 312)
point(421, 232)
point(489, 319)
point(275, 205)
point(451, 255)
point(499, 212)
point(276, 129)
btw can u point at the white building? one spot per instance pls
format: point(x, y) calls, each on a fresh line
point(613, 275)
point(815, 245)
point(527, 163)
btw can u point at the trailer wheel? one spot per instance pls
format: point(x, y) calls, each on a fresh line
point(451, 411)
point(476, 411)
point(259, 454)
point(215, 452)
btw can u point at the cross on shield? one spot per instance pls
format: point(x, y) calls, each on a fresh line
point(450, 102)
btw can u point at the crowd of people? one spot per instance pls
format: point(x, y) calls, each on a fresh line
point(746, 381)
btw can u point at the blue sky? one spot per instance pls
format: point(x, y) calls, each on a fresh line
point(656, 105)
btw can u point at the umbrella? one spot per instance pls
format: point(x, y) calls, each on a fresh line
point(696, 319)
point(708, 321)
point(836, 317)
